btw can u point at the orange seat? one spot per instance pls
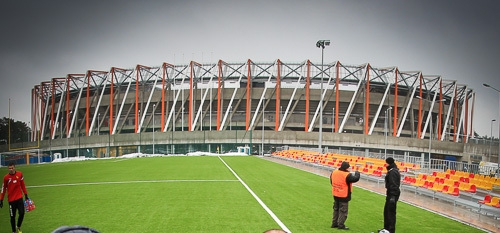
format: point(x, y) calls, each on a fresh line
point(437, 187)
point(455, 191)
point(494, 201)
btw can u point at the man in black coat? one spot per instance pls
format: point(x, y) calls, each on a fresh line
point(392, 184)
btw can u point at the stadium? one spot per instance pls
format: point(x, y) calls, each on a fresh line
point(268, 109)
point(220, 106)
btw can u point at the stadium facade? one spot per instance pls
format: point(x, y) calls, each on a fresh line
point(217, 106)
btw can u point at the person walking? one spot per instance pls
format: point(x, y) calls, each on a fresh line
point(392, 184)
point(341, 181)
point(13, 183)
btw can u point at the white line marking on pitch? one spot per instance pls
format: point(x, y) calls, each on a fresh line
point(269, 211)
point(127, 182)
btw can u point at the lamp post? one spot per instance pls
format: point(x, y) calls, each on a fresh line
point(281, 114)
point(67, 135)
point(140, 135)
point(153, 115)
point(29, 131)
point(109, 141)
point(385, 131)
point(263, 103)
point(321, 44)
point(430, 126)
point(491, 139)
point(498, 162)
point(333, 120)
point(182, 119)
point(98, 115)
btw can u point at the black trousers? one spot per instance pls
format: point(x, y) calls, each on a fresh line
point(340, 210)
point(17, 205)
point(390, 214)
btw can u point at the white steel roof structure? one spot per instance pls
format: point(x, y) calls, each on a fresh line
point(197, 97)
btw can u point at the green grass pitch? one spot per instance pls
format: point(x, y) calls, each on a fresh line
point(199, 194)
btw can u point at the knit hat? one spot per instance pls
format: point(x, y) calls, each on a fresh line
point(345, 165)
point(389, 160)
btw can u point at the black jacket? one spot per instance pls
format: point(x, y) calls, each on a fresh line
point(393, 180)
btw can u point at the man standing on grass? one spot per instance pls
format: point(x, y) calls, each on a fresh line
point(13, 183)
point(392, 183)
point(341, 181)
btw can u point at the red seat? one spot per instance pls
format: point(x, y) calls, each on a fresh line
point(377, 173)
point(487, 199)
point(445, 189)
point(413, 180)
point(472, 189)
point(455, 192)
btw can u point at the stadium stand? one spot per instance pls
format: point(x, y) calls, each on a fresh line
point(458, 187)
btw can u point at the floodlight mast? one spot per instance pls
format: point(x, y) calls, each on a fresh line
point(385, 131)
point(491, 139)
point(321, 44)
point(430, 126)
point(498, 162)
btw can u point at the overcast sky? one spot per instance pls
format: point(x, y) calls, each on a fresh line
point(41, 40)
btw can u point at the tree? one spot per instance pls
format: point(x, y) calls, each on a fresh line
point(19, 131)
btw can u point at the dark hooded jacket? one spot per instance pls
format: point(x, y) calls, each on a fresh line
point(392, 180)
point(351, 178)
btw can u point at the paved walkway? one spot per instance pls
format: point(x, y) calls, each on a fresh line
point(444, 208)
